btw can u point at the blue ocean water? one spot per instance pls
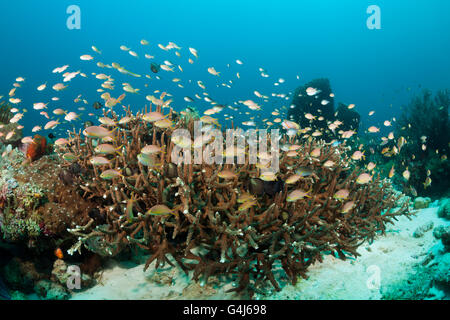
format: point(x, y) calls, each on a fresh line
point(374, 69)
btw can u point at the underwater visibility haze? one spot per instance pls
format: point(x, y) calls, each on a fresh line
point(224, 149)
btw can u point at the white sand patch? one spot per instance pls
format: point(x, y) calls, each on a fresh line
point(393, 256)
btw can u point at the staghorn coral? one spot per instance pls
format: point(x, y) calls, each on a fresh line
point(210, 232)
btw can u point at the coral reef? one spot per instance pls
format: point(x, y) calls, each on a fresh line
point(36, 206)
point(349, 118)
point(37, 148)
point(420, 203)
point(236, 224)
point(50, 290)
point(312, 107)
point(304, 103)
point(425, 125)
point(21, 275)
point(5, 112)
point(444, 209)
point(10, 134)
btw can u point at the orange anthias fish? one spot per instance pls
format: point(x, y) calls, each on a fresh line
point(59, 254)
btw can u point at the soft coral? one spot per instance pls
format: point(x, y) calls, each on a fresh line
point(37, 148)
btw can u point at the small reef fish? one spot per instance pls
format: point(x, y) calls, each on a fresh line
point(153, 116)
point(341, 194)
point(287, 124)
point(59, 112)
point(371, 166)
point(163, 124)
point(268, 176)
point(363, 178)
point(71, 116)
point(43, 113)
point(151, 149)
point(160, 210)
point(59, 254)
point(110, 174)
point(227, 174)
point(70, 157)
point(406, 174)
point(94, 48)
point(358, 155)
point(146, 160)
point(194, 52)
point(39, 106)
point(59, 87)
point(181, 141)
point(391, 172)
point(245, 197)
point(42, 87)
point(304, 171)
point(97, 132)
point(97, 161)
point(427, 182)
point(315, 153)
point(51, 124)
point(107, 121)
point(61, 142)
point(297, 194)
point(107, 149)
point(213, 71)
point(86, 57)
point(312, 91)
point(293, 179)
point(348, 206)
point(247, 205)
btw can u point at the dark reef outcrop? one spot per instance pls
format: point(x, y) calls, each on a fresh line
point(349, 118)
point(305, 103)
point(321, 104)
point(425, 125)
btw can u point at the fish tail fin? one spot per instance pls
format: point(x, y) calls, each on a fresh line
point(119, 153)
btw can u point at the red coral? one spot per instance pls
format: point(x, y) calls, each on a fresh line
point(37, 148)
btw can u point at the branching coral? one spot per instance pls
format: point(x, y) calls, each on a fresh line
point(208, 228)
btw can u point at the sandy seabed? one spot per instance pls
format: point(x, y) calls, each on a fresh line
point(385, 264)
